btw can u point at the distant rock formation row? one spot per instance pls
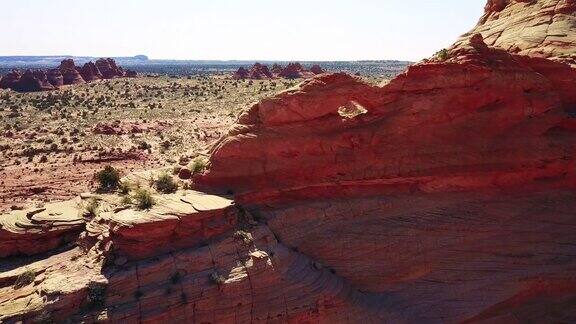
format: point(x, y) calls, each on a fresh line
point(66, 74)
point(291, 71)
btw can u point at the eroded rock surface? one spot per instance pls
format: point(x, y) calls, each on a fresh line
point(543, 28)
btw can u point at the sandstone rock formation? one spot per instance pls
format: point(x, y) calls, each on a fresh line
point(276, 69)
point(292, 71)
point(66, 74)
point(70, 72)
point(295, 71)
point(316, 69)
point(33, 81)
point(109, 69)
point(259, 71)
point(241, 73)
point(10, 80)
point(90, 72)
point(55, 77)
point(446, 195)
point(543, 28)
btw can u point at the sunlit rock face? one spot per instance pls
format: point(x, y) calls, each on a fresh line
point(543, 28)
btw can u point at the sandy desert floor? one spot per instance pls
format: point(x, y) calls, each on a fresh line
point(52, 143)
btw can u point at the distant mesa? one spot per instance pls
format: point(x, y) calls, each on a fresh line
point(292, 71)
point(66, 74)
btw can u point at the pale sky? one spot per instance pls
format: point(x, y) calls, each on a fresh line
point(236, 29)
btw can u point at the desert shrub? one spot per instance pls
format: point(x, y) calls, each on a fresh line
point(96, 295)
point(443, 55)
point(92, 207)
point(176, 278)
point(243, 236)
point(165, 184)
point(144, 199)
point(126, 200)
point(108, 178)
point(25, 278)
point(217, 278)
point(124, 187)
point(199, 165)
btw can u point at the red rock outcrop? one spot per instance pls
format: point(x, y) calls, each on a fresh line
point(90, 72)
point(109, 69)
point(276, 69)
point(446, 195)
point(543, 28)
point(241, 73)
point(32, 81)
point(292, 71)
point(316, 69)
point(295, 71)
point(66, 74)
point(130, 74)
point(10, 80)
point(55, 77)
point(259, 71)
point(70, 73)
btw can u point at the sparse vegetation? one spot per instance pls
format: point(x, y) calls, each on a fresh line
point(217, 278)
point(124, 187)
point(243, 236)
point(92, 207)
point(199, 164)
point(165, 184)
point(96, 295)
point(25, 278)
point(144, 199)
point(108, 178)
point(443, 54)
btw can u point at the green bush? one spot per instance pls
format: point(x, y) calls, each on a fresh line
point(108, 178)
point(443, 55)
point(165, 184)
point(199, 165)
point(124, 187)
point(25, 278)
point(96, 295)
point(92, 207)
point(144, 199)
point(217, 278)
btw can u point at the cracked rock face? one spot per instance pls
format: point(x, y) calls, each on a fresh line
point(444, 196)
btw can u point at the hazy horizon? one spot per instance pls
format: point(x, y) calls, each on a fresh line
point(226, 30)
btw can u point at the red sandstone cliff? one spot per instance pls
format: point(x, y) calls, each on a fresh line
point(444, 196)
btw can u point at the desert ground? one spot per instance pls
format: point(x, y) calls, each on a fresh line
point(52, 143)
